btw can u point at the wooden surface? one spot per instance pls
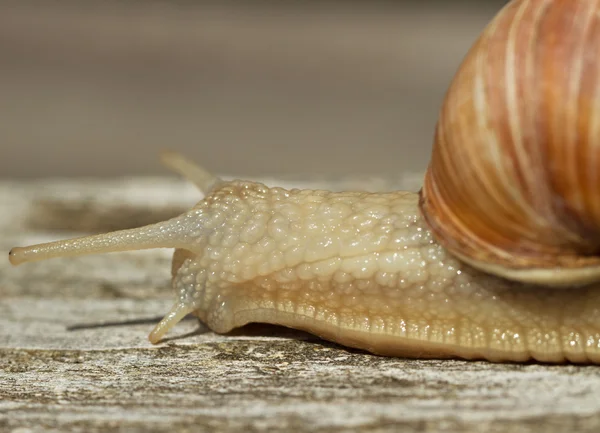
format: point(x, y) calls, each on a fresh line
point(74, 354)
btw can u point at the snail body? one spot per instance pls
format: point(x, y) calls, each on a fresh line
point(428, 274)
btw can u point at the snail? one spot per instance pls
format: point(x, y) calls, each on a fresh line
point(497, 257)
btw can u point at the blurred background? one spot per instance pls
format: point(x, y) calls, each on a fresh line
point(325, 89)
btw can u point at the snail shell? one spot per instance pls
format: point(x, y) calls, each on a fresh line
point(513, 185)
point(509, 199)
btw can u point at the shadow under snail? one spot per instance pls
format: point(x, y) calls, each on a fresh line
point(497, 257)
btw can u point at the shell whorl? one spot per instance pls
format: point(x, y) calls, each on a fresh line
point(513, 186)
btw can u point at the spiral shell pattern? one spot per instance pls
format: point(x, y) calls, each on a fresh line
point(513, 186)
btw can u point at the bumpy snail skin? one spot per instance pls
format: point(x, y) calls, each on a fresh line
point(364, 271)
point(513, 182)
point(360, 269)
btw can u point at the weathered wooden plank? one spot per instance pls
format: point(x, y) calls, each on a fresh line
point(74, 354)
